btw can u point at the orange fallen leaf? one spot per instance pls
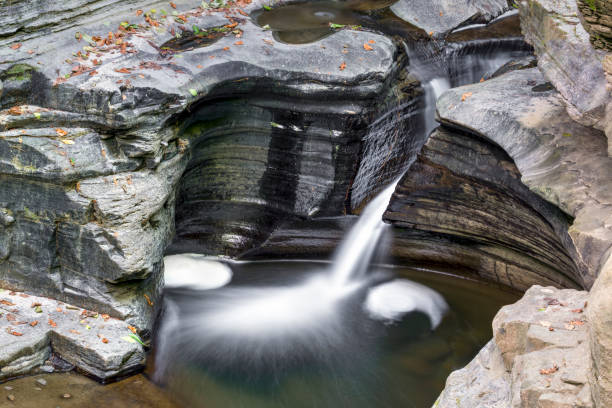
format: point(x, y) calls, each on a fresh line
point(234, 24)
point(61, 132)
point(104, 340)
point(6, 303)
point(132, 329)
point(465, 96)
point(123, 70)
point(243, 12)
point(482, 79)
point(58, 309)
point(105, 317)
point(431, 33)
point(367, 47)
point(372, 42)
point(52, 323)
point(172, 5)
point(547, 371)
point(16, 46)
point(269, 42)
point(199, 67)
point(148, 300)
point(12, 332)
point(74, 331)
point(440, 14)
point(139, 12)
point(342, 66)
point(577, 311)
point(238, 43)
point(576, 322)
point(34, 323)
point(225, 48)
point(15, 111)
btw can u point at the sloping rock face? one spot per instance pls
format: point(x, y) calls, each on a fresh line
point(597, 19)
point(566, 164)
point(466, 195)
point(439, 17)
point(562, 161)
point(569, 62)
point(536, 358)
point(102, 138)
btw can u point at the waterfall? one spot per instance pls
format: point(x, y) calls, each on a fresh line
point(353, 256)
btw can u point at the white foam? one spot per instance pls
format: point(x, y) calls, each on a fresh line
point(195, 271)
point(390, 301)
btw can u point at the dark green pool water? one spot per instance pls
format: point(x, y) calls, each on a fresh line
point(348, 360)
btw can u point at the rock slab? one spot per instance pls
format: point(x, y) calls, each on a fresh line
point(31, 328)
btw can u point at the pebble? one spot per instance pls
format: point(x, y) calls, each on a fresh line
point(11, 397)
point(67, 396)
point(42, 381)
point(47, 369)
point(8, 388)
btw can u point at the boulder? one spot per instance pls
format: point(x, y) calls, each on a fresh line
point(568, 61)
point(439, 17)
point(32, 328)
point(562, 161)
point(536, 358)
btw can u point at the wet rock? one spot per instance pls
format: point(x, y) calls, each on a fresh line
point(441, 16)
point(568, 61)
point(41, 381)
point(466, 196)
point(27, 339)
point(517, 369)
point(560, 160)
point(92, 163)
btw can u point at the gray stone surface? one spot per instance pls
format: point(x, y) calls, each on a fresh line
point(562, 161)
point(92, 153)
point(466, 195)
point(536, 359)
point(31, 328)
point(568, 61)
point(439, 17)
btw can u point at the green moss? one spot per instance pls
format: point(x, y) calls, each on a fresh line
point(30, 215)
point(591, 4)
point(21, 167)
point(18, 72)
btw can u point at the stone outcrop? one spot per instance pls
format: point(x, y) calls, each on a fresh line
point(569, 62)
point(536, 358)
point(102, 138)
point(566, 163)
point(596, 17)
point(465, 194)
point(439, 17)
point(33, 327)
point(562, 161)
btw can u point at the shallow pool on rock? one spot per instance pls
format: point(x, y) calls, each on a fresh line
point(220, 348)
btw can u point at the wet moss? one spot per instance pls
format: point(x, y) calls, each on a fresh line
point(18, 72)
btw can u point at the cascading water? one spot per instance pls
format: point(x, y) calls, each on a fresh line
point(323, 334)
